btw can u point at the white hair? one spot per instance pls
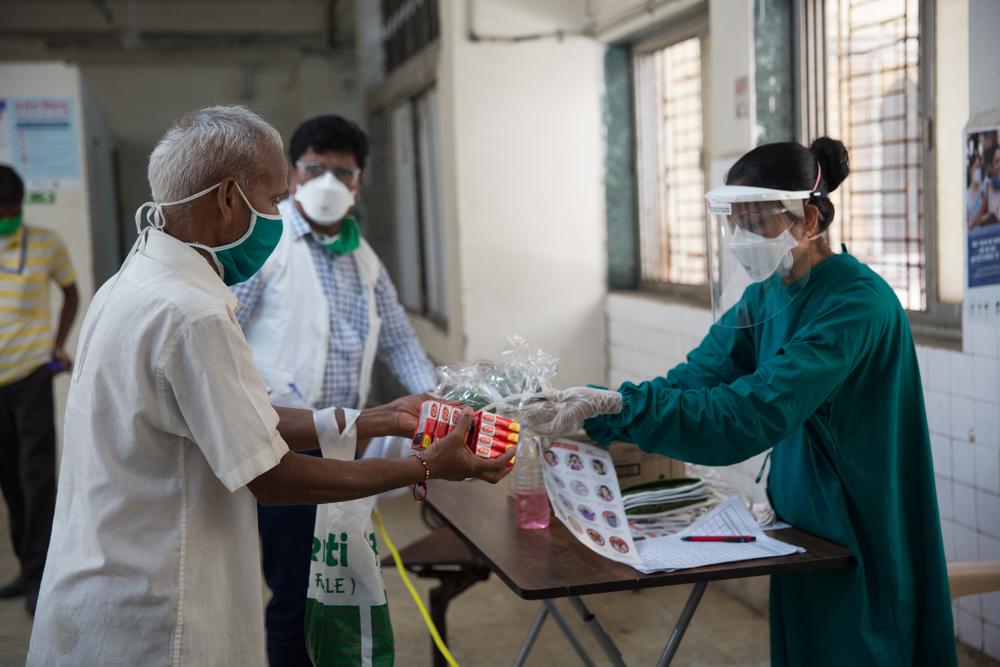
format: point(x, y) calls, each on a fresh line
point(206, 146)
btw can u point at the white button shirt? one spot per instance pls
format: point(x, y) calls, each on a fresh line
point(154, 558)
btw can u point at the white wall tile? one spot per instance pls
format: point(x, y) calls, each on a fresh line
point(991, 608)
point(945, 496)
point(966, 544)
point(991, 641)
point(965, 504)
point(938, 377)
point(960, 374)
point(987, 419)
point(984, 338)
point(970, 629)
point(963, 462)
point(971, 604)
point(989, 548)
point(938, 411)
point(923, 361)
point(985, 380)
point(941, 453)
point(617, 306)
point(967, 342)
point(948, 537)
point(988, 468)
point(963, 424)
point(988, 513)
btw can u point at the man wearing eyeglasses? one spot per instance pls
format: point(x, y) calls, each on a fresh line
point(317, 315)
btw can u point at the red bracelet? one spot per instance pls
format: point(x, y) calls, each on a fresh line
point(421, 485)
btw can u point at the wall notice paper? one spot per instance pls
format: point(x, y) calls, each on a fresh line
point(43, 143)
point(982, 221)
point(585, 496)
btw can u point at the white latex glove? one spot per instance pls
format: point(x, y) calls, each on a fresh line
point(564, 410)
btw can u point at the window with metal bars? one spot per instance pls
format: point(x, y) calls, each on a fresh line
point(408, 26)
point(874, 105)
point(670, 164)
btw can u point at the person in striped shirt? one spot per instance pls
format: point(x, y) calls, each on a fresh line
point(30, 259)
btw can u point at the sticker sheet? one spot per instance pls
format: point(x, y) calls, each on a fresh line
point(584, 493)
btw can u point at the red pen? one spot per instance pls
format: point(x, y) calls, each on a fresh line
point(719, 538)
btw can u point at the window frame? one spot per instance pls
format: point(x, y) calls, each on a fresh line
point(676, 32)
point(412, 100)
point(940, 323)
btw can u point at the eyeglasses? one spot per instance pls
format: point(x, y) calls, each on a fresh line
point(314, 169)
point(766, 221)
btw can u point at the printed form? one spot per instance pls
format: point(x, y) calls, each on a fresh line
point(729, 519)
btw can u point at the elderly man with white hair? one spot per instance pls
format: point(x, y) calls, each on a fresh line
point(169, 434)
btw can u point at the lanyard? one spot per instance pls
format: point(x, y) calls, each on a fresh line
point(23, 258)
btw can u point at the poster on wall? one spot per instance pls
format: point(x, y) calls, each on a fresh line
point(38, 137)
point(6, 155)
point(982, 221)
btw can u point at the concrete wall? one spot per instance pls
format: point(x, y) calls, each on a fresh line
point(523, 192)
point(531, 208)
point(952, 109)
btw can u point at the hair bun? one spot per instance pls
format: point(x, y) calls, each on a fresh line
point(833, 159)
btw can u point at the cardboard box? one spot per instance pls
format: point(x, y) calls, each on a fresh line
point(635, 466)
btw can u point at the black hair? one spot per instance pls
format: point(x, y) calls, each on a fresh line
point(791, 166)
point(329, 133)
point(11, 186)
point(988, 158)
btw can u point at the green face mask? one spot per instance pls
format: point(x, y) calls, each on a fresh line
point(237, 261)
point(347, 241)
point(10, 225)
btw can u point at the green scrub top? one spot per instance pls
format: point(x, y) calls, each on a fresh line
point(832, 383)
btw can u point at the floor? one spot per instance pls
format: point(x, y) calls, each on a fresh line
point(488, 622)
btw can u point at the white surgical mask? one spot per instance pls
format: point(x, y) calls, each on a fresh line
point(761, 256)
point(324, 199)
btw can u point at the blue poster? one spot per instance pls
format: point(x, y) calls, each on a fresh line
point(984, 256)
point(982, 222)
point(44, 144)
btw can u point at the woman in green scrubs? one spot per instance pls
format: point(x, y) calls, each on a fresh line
point(826, 375)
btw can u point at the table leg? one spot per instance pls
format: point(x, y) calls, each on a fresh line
point(682, 624)
point(570, 635)
point(608, 646)
point(536, 627)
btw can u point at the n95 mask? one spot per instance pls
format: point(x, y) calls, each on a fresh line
point(324, 199)
point(763, 257)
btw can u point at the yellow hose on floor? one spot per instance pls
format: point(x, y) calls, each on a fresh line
point(413, 592)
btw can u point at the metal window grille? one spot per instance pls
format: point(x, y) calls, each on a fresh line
point(408, 26)
point(873, 105)
point(670, 155)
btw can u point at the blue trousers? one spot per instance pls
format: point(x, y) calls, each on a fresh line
point(286, 545)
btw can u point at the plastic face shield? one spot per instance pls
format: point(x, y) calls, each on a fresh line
point(752, 233)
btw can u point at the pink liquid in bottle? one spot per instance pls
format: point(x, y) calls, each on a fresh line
point(533, 509)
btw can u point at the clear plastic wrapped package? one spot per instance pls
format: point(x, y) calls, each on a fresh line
point(513, 386)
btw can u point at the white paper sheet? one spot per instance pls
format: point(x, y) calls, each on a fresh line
point(730, 518)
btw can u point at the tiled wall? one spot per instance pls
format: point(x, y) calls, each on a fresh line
point(648, 336)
